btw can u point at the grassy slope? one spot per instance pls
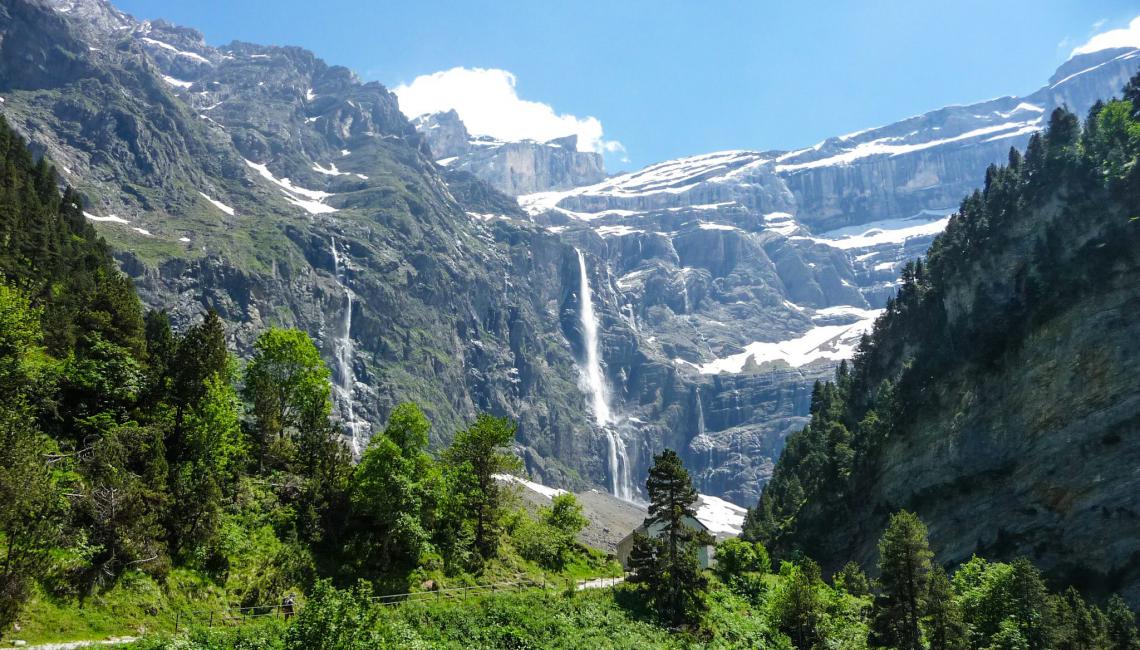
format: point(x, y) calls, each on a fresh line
point(601, 618)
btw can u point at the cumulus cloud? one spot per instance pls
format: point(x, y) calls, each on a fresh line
point(1124, 37)
point(488, 103)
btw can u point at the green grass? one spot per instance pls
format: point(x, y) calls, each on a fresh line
point(136, 604)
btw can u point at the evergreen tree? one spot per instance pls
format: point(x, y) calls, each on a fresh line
point(852, 580)
point(1121, 624)
point(799, 611)
point(31, 509)
point(665, 560)
point(943, 623)
point(904, 570)
point(1077, 626)
point(474, 458)
point(1132, 95)
point(1029, 604)
point(200, 355)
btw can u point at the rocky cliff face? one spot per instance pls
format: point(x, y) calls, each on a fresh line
point(261, 182)
point(752, 273)
point(280, 190)
point(511, 167)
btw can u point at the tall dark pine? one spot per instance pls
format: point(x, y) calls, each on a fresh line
point(665, 560)
point(904, 572)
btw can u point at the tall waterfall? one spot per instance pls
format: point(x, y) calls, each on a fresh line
point(701, 424)
point(700, 414)
point(343, 352)
point(593, 382)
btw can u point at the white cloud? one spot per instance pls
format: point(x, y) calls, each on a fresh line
point(488, 103)
point(1124, 37)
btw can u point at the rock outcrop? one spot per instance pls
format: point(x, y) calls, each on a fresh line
point(513, 168)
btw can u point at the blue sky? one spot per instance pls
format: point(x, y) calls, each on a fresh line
point(667, 79)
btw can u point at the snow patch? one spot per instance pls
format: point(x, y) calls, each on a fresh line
point(177, 52)
point(312, 201)
point(890, 146)
point(546, 491)
point(107, 219)
point(890, 231)
point(780, 222)
point(616, 231)
point(670, 177)
point(218, 204)
point(178, 83)
point(833, 342)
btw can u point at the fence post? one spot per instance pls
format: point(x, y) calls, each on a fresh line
point(177, 620)
point(211, 618)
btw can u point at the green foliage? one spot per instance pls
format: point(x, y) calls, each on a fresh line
point(852, 580)
point(394, 493)
point(32, 509)
point(475, 498)
point(334, 620)
point(287, 386)
point(943, 624)
point(797, 607)
point(1121, 626)
point(904, 571)
point(664, 560)
point(742, 565)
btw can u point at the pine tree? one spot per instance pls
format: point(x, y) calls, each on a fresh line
point(1122, 634)
point(665, 560)
point(478, 453)
point(943, 623)
point(1030, 604)
point(1077, 626)
point(852, 580)
point(799, 610)
point(904, 570)
point(1132, 94)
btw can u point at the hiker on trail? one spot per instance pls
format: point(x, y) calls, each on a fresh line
point(287, 606)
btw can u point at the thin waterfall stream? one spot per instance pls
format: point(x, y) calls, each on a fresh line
point(343, 353)
point(593, 382)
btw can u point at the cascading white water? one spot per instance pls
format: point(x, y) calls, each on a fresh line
point(594, 384)
point(343, 352)
point(700, 413)
point(701, 424)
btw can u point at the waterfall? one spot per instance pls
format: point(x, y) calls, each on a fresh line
point(593, 382)
point(707, 474)
point(343, 353)
point(700, 414)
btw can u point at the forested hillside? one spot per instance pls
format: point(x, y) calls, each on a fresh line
point(997, 396)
